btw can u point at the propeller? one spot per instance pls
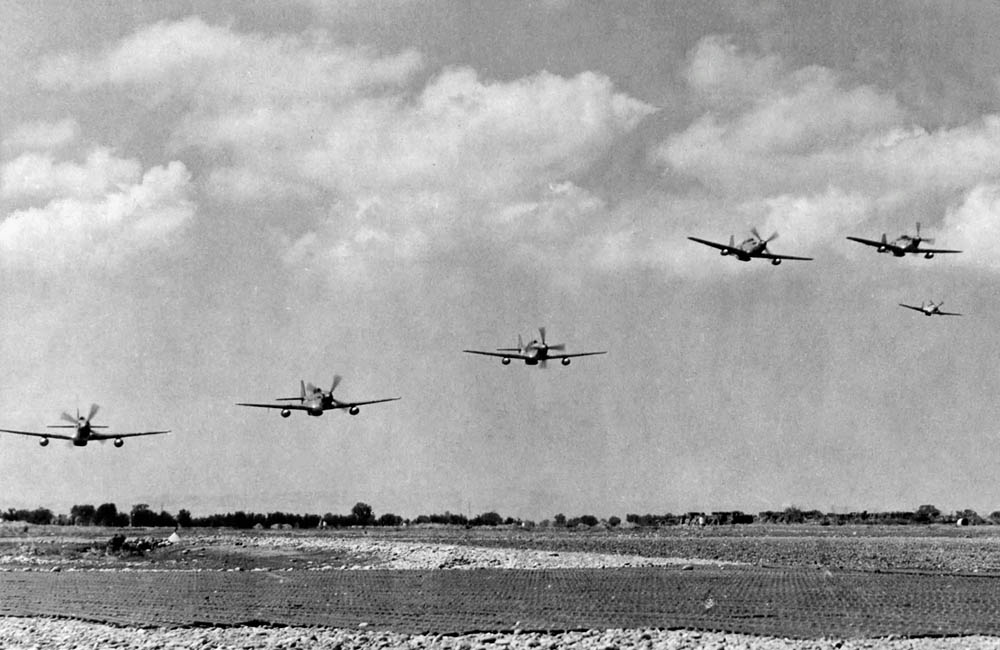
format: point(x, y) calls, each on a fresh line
point(336, 382)
point(94, 408)
point(557, 346)
point(929, 240)
point(770, 239)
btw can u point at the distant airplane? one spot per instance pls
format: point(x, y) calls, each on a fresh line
point(750, 248)
point(536, 352)
point(930, 309)
point(314, 401)
point(84, 431)
point(904, 244)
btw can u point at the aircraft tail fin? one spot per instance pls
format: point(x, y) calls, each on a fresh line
point(300, 398)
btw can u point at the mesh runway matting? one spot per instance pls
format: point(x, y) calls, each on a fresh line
point(806, 603)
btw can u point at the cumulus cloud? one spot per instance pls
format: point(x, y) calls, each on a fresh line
point(974, 227)
point(213, 66)
point(37, 175)
point(798, 130)
point(88, 229)
point(42, 135)
point(412, 162)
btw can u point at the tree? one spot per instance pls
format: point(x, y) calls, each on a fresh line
point(363, 514)
point(106, 515)
point(183, 518)
point(487, 519)
point(927, 514)
point(614, 521)
point(82, 515)
point(559, 520)
point(389, 519)
point(142, 516)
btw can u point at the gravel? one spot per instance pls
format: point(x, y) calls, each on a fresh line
point(38, 633)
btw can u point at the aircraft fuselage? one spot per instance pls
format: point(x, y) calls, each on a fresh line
point(747, 249)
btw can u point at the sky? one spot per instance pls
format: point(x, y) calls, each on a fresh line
point(205, 203)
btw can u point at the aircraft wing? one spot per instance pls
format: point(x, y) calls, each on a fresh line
point(347, 405)
point(880, 244)
point(772, 256)
point(575, 354)
point(935, 250)
point(38, 435)
point(503, 355)
point(292, 407)
point(947, 313)
point(721, 247)
point(870, 242)
point(112, 436)
point(912, 307)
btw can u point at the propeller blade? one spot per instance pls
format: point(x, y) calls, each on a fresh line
point(336, 382)
point(541, 331)
point(753, 231)
point(69, 418)
point(544, 363)
point(918, 230)
point(559, 346)
point(93, 411)
point(773, 236)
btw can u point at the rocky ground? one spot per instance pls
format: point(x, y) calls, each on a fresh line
point(197, 550)
point(35, 633)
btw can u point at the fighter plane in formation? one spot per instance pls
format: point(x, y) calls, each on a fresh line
point(750, 248)
point(536, 353)
point(85, 431)
point(904, 244)
point(930, 309)
point(314, 401)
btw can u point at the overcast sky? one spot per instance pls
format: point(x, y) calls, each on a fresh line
point(203, 203)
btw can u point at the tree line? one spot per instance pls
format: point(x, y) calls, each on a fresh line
point(362, 514)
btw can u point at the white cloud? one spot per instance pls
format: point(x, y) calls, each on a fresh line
point(83, 230)
point(725, 78)
point(298, 116)
point(216, 67)
point(37, 175)
point(486, 138)
point(974, 227)
point(42, 135)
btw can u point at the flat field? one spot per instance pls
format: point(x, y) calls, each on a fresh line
point(805, 582)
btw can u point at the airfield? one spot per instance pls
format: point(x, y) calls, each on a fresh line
point(752, 586)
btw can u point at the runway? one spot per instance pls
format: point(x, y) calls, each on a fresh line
point(781, 602)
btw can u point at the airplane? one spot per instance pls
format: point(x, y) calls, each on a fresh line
point(535, 353)
point(930, 309)
point(904, 244)
point(84, 431)
point(750, 248)
point(314, 401)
